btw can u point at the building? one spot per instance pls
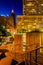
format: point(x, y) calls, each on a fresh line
point(33, 40)
point(31, 19)
point(29, 23)
point(8, 22)
point(33, 7)
point(32, 16)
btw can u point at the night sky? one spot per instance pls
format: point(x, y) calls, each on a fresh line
point(7, 5)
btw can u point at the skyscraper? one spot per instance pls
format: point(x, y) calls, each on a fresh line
point(33, 7)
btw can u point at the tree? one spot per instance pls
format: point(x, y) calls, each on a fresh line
point(4, 32)
point(36, 30)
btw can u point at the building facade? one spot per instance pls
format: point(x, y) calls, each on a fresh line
point(31, 19)
point(8, 22)
point(29, 23)
point(33, 7)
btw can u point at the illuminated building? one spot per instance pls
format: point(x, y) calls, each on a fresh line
point(8, 22)
point(29, 23)
point(32, 17)
point(33, 7)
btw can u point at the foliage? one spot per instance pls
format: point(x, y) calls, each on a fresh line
point(22, 31)
point(11, 38)
point(4, 32)
point(36, 30)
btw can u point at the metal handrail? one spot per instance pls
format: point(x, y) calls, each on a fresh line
point(37, 48)
point(36, 63)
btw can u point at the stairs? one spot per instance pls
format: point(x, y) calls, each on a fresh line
point(32, 59)
point(40, 59)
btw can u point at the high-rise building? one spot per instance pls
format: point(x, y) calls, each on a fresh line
point(32, 19)
point(33, 7)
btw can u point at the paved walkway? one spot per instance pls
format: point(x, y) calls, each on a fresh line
point(7, 60)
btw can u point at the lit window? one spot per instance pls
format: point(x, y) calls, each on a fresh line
point(34, 24)
point(22, 23)
point(3, 26)
point(29, 30)
point(41, 4)
point(29, 26)
point(39, 12)
point(33, 10)
point(0, 43)
point(24, 42)
point(24, 48)
point(30, 4)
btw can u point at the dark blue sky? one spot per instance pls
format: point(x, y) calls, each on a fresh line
point(7, 5)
